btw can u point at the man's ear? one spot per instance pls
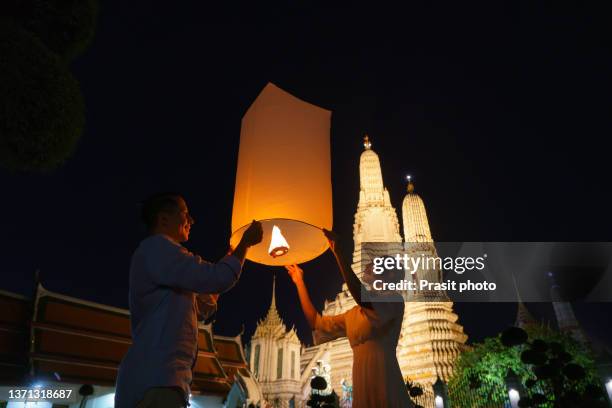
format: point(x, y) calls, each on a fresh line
point(162, 219)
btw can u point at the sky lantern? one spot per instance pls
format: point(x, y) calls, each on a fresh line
point(284, 178)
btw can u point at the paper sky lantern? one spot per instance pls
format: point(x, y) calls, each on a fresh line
point(284, 178)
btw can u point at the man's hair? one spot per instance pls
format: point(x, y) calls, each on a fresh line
point(155, 204)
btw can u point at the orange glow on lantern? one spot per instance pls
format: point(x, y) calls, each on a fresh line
point(283, 178)
point(278, 243)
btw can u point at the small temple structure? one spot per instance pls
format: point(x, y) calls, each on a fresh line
point(275, 358)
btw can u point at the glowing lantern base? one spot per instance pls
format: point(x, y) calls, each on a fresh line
point(278, 243)
point(307, 242)
point(278, 251)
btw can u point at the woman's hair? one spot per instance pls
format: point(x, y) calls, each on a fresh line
point(157, 203)
point(392, 275)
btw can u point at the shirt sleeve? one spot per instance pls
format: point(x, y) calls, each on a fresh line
point(327, 328)
point(172, 265)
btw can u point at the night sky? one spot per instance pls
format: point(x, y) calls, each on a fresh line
point(501, 112)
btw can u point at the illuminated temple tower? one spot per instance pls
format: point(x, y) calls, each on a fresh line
point(275, 358)
point(431, 338)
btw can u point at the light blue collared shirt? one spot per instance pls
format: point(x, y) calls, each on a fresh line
point(166, 283)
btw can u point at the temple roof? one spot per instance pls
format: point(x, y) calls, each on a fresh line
point(273, 318)
point(15, 314)
point(66, 339)
point(272, 325)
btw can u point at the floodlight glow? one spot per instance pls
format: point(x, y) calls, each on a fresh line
point(514, 397)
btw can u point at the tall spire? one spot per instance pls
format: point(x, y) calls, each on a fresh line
point(566, 319)
point(416, 224)
point(370, 176)
point(431, 336)
point(524, 319)
point(410, 186)
point(273, 318)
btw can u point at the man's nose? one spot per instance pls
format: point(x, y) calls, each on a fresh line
point(191, 220)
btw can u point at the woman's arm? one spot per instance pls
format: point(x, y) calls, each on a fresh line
point(352, 281)
point(297, 276)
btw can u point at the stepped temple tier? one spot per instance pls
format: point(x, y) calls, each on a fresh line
point(275, 358)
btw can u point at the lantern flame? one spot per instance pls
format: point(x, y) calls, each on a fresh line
point(278, 243)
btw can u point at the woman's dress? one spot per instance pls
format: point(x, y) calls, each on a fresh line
point(373, 335)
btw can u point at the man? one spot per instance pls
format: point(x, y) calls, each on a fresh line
point(170, 288)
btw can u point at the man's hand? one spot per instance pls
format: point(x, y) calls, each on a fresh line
point(332, 238)
point(207, 305)
point(296, 273)
point(253, 234)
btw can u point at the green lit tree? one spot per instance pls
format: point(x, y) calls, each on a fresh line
point(552, 370)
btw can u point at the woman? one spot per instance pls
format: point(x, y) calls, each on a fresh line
point(372, 327)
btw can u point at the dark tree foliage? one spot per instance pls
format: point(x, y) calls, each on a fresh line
point(41, 108)
point(317, 400)
point(555, 378)
point(66, 27)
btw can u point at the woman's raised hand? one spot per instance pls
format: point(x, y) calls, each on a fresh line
point(296, 273)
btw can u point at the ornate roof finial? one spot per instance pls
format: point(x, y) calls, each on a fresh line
point(273, 318)
point(273, 304)
point(366, 142)
point(410, 187)
point(523, 317)
point(272, 325)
